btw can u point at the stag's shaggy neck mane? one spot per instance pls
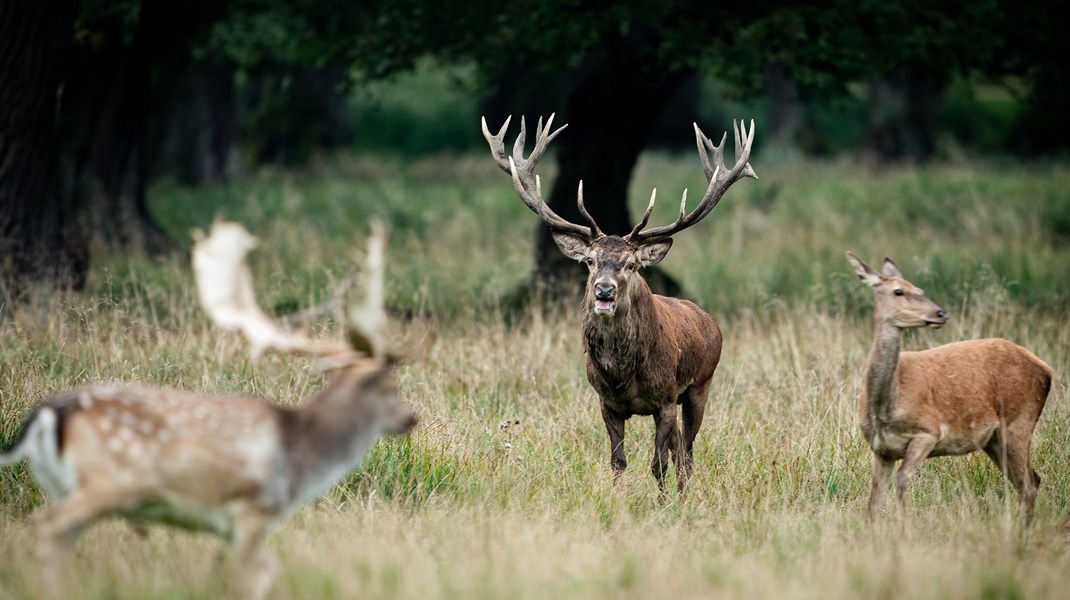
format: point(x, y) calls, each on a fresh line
point(615, 343)
point(880, 375)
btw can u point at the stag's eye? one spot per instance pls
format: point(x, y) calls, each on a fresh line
point(898, 292)
point(589, 261)
point(632, 266)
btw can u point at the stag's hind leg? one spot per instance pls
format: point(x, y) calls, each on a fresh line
point(692, 408)
point(666, 441)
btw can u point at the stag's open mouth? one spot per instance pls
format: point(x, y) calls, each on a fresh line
point(604, 306)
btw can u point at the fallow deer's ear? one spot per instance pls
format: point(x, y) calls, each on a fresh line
point(890, 269)
point(572, 246)
point(865, 273)
point(651, 253)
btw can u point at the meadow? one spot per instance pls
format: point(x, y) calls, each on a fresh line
point(464, 508)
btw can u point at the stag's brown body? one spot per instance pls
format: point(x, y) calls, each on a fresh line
point(657, 353)
point(954, 399)
point(646, 354)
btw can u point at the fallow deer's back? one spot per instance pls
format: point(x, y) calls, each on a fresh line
point(186, 444)
point(990, 376)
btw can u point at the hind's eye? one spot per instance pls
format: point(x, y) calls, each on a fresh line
point(899, 292)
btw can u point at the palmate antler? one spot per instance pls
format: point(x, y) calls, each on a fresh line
point(225, 288)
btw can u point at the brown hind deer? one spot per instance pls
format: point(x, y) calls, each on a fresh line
point(950, 400)
point(646, 354)
point(227, 464)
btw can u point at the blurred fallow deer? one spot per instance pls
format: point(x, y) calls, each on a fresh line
point(646, 353)
point(950, 400)
point(231, 465)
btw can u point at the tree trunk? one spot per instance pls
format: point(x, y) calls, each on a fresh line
point(903, 111)
point(37, 237)
point(106, 129)
point(196, 140)
point(611, 114)
point(786, 115)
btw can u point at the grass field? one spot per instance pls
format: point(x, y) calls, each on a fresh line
point(776, 507)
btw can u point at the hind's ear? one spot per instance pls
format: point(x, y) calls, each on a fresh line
point(865, 273)
point(890, 269)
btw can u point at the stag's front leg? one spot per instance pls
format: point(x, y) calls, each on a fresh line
point(615, 426)
point(665, 438)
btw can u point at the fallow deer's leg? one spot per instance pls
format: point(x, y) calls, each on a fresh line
point(667, 434)
point(882, 474)
point(917, 450)
point(256, 564)
point(58, 525)
point(615, 426)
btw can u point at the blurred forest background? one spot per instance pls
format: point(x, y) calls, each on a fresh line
point(99, 98)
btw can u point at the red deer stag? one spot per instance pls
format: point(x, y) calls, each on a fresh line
point(231, 465)
point(950, 400)
point(646, 353)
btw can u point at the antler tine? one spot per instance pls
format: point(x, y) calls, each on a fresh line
point(720, 178)
point(367, 320)
point(225, 288)
point(595, 231)
point(497, 143)
point(646, 216)
point(522, 171)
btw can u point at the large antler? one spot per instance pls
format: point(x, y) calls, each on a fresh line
point(225, 287)
point(720, 178)
point(528, 185)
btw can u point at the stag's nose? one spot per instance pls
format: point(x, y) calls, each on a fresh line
point(604, 291)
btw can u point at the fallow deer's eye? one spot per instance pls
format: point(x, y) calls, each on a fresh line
point(899, 292)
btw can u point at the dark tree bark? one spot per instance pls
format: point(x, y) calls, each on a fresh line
point(38, 241)
point(105, 125)
point(902, 114)
point(611, 113)
point(196, 140)
point(786, 114)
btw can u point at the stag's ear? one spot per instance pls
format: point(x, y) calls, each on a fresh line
point(865, 273)
point(572, 245)
point(890, 269)
point(651, 253)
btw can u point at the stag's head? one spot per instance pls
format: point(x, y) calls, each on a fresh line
point(361, 368)
point(614, 261)
point(898, 301)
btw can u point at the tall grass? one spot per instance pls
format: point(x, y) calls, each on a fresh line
point(462, 508)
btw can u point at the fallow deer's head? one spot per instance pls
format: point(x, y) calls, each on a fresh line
point(361, 368)
point(614, 261)
point(898, 301)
